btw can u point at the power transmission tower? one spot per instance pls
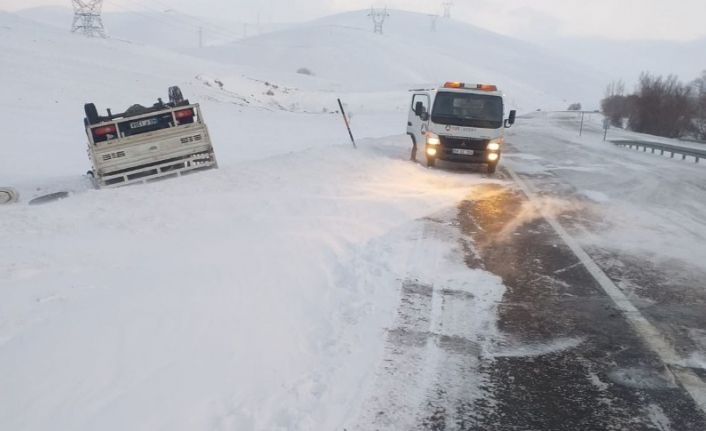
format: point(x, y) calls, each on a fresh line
point(447, 8)
point(434, 19)
point(87, 18)
point(378, 16)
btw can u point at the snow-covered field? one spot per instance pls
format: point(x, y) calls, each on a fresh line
point(257, 296)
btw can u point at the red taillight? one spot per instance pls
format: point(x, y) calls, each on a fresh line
point(105, 130)
point(184, 113)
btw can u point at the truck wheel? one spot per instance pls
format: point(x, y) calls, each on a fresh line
point(91, 113)
point(175, 95)
point(492, 167)
point(431, 162)
point(8, 195)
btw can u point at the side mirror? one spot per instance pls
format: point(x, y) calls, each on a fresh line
point(424, 116)
point(511, 119)
point(419, 109)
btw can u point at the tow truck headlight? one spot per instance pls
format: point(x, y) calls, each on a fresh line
point(433, 139)
point(493, 157)
point(495, 144)
point(431, 151)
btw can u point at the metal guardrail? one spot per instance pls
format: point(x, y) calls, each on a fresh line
point(663, 148)
point(696, 141)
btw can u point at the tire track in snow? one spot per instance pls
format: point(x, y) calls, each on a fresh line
point(432, 357)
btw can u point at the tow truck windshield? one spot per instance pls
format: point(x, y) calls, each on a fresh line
point(468, 109)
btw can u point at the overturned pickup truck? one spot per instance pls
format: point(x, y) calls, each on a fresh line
point(147, 143)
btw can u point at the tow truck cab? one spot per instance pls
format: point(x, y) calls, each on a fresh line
point(459, 123)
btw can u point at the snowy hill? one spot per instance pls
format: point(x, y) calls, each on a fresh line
point(151, 26)
point(344, 49)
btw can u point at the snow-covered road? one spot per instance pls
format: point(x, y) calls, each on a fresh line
point(548, 347)
point(306, 285)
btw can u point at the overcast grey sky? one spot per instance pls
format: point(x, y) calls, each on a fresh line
point(534, 19)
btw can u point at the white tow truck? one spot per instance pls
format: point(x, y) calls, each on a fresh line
point(459, 123)
point(147, 143)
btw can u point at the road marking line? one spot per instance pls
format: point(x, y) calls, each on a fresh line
point(691, 382)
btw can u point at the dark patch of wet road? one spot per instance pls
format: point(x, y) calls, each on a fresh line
point(568, 360)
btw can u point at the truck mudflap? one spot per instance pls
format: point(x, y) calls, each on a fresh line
point(154, 171)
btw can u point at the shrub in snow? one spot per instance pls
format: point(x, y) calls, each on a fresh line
point(305, 71)
point(662, 107)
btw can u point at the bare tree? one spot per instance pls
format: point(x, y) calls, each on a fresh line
point(616, 106)
point(615, 88)
point(663, 107)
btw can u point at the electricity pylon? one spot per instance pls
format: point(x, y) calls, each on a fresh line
point(87, 18)
point(378, 16)
point(434, 19)
point(447, 8)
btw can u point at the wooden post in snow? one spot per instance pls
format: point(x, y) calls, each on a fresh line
point(348, 126)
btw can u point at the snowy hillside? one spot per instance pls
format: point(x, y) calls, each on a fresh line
point(343, 48)
point(332, 48)
point(149, 25)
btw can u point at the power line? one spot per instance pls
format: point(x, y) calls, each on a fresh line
point(175, 21)
point(181, 20)
point(434, 18)
point(201, 22)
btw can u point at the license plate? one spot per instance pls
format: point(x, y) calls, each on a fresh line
point(143, 123)
point(463, 152)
